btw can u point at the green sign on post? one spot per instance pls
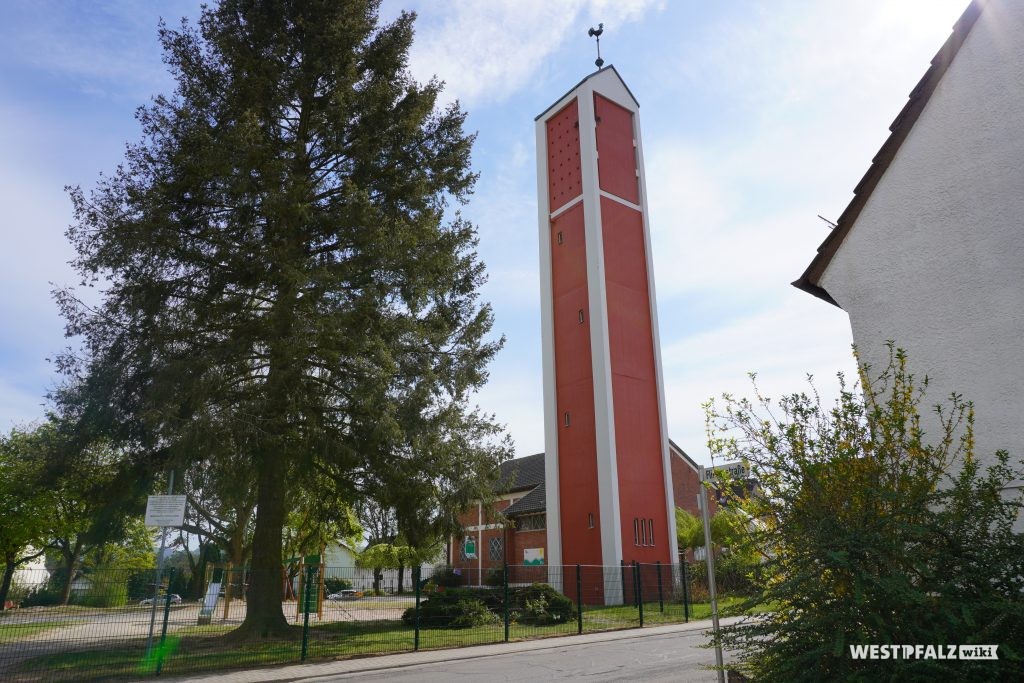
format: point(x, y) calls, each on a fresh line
point(469, 547)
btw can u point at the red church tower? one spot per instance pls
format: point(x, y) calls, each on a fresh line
point(608, 478)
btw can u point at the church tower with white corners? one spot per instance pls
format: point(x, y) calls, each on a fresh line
point(608, 476)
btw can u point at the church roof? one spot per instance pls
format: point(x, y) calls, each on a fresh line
point(534, 501)
point(610, 67)
point(521, 474)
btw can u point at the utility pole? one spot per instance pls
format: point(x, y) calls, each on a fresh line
point(702, 503)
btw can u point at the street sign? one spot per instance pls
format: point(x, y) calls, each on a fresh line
point(165, 511)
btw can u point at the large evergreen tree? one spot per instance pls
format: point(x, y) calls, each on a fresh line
point(277, 264)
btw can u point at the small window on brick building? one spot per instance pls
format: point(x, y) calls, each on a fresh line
point(495, 550)
point(636, 531)
point(650, 531)
point(590, 520)
point(643, 533)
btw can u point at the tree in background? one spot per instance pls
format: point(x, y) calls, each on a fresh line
point(316, 521)
point(25, 506)
point(381, 556)
point(222, 504)
point(728, 529)
point(448, 460)
point(875, 533)
point(279, 260)
point(79, 520)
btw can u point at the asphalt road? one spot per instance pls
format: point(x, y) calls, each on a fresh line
point(652, 658)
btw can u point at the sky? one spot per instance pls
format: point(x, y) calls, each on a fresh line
point(756, 117)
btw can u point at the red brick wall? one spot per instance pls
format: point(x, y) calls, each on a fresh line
point(474, 571)
point(685, 485)
point(520, 540)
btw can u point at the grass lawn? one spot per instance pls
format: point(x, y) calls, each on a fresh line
point(12, 632)
point(197, 648)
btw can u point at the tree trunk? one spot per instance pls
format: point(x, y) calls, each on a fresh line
point(5, 587)
point(70, 558)
point(264, 616)
point(401, 577)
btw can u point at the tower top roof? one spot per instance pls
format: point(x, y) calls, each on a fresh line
point(610, 68)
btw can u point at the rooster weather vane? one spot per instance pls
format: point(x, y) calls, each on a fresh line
point(596, 33)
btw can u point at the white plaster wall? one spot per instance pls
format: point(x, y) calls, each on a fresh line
point(935, 260)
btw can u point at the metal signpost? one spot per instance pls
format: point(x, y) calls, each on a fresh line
point(162, 511)
point(702, 503)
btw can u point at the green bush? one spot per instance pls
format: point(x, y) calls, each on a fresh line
point(106, 594)
point(538, 604)
point(446, 577)
point(455, 608)
point(876, 532)
point(468, 613)
point(45, 595)
point(494, 577)
point(18, 591)
point(334, 584)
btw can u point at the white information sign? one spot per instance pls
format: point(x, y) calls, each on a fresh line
point(165, 511)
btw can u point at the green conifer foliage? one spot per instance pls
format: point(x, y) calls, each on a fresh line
point(282, 272)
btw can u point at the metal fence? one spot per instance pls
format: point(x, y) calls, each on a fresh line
point(125, 624)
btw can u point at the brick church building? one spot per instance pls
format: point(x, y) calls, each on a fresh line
point(513, 529)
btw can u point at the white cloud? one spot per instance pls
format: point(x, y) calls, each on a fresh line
point(486, 51)
point(108, 50)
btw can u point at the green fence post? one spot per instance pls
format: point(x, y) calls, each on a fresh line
point(416, 637)
point(661, 592)
point(622, 567)
point(163, 629)
point(686, 592)
point(504, 581)
point(305, 608)
point(639, 584)
point(579, 600)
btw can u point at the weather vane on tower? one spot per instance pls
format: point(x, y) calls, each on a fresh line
point(596, 33)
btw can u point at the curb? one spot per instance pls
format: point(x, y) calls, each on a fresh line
point(322, 670)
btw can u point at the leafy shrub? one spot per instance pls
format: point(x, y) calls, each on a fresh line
point(334, 584)
point(876, 533)
point(446, 577)
point(455, 608)
point(539, 604)
point(106, 594)
point(18, 590)
point(469, 613)
point(494, 577)
point(735, 574)
point(41, 596)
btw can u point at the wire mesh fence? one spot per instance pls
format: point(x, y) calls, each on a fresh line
point(130, 624)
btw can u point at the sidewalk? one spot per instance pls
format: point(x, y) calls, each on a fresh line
point(293, 672)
